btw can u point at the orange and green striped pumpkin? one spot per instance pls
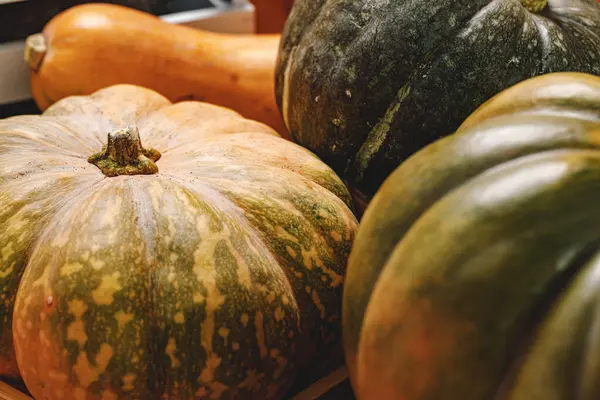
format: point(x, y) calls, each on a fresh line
point(206, 263)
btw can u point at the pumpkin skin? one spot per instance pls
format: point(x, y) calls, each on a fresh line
point(92, 46)
point(365, 84)
point(218, 276)
point(473, 272)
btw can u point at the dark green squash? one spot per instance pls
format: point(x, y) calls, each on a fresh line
point(474, 274)
point(364, 84)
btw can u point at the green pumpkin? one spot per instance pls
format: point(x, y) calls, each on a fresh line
point(154, 250)
point(474, 274)
point(364, 83)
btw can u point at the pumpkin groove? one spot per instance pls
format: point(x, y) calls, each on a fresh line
point(580, 266)
point(187, 281)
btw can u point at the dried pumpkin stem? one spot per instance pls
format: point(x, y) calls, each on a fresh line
point(35, 51)
point(534, 5)
point(124, 155)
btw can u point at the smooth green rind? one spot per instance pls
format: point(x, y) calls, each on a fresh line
point(562, 359)
point(488, 178)
point(428, 177)
point(365, 84)
point(455, 314)
point(554, 112)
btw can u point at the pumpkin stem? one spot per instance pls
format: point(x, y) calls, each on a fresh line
point(35, 51)
point(124, 155)
point(534, 5)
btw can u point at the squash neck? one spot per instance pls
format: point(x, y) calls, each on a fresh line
point(124, 155)
point(534, 6)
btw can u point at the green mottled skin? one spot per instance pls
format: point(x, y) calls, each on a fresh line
point(173, 285)
point(474, 258)
point(366, 83)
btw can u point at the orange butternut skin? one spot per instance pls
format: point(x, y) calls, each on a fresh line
point(93, 46)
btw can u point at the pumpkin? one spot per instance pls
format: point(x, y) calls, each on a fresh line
point(92, 46)
point(365, 84)
point(270, 16)
point(474, 272)
point(158, 250)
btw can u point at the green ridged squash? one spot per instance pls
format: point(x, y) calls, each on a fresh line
point(151, 250)
point(474, 274)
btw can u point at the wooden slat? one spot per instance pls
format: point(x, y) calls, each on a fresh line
point(313, 392)
point(323, 385)
point(8, 392)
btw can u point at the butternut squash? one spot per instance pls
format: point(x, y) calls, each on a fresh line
point(93, 46)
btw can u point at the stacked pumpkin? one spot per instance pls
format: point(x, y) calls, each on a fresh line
point(209, 260)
